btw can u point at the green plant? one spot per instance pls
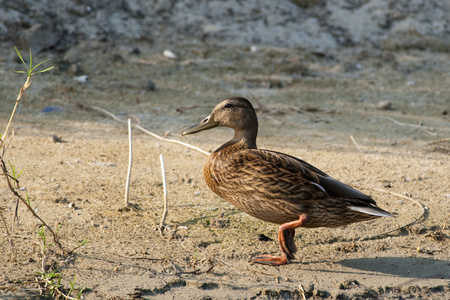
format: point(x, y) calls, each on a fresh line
point(13, 171)
point(50, 280)
point(12, 180)
point(30, 72)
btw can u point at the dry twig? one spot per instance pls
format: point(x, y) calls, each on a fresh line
point(163, 171)
point(439, 141)
point(420, 126)
point(107, 113)
point(445, 223)
point(422, 215)
point(356, 144)
point(302, 291)
point(12, 252)
point(171, 140)
point(138, 257)
point(14, 188)
point(130, 162)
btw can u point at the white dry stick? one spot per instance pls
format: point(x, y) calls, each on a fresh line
point(130, 162)
point(302, 291)
point(170, 140)
point(354, 142)
point(163, 219)
point(423, 128)
point(422, 216)
point(107, 113)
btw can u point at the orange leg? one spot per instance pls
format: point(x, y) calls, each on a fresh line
point(286, 234)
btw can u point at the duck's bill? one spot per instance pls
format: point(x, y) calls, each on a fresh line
point(206, 124)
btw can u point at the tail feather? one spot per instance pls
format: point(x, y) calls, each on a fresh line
point(374, 211)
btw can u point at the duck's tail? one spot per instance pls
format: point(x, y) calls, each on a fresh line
point(371, 210)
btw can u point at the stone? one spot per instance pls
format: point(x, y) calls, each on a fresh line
point(37, 38)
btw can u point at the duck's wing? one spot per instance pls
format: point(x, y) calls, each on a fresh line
point(357, 201)
point(269, 174)
point(330, 185)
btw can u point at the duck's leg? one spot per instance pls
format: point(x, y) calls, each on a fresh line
point(286, 234)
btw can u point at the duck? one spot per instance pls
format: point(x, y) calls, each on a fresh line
point(273, 186)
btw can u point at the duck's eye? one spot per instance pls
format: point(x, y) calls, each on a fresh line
point(228, 105)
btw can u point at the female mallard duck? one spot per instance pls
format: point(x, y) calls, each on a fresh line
point(276, 187)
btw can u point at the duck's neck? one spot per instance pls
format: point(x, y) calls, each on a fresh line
point(241, 140)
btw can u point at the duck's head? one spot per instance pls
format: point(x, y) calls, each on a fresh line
point(234, 112)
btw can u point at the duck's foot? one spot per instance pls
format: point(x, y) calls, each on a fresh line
point(270, 260)
point(286, 241)
point(286, 233)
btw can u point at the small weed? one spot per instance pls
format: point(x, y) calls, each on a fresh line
point(15, 176)
point(48, 280)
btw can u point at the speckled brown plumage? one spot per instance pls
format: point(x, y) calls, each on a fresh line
point(273, 186)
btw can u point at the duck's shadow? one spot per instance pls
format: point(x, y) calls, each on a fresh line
point(408, 267)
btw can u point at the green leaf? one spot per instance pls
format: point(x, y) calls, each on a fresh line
point(13, 170)
point(31, 62)
point(79, 294)
point(72, 285)
point(20, 56)
point(31, 68)
point(46, 70)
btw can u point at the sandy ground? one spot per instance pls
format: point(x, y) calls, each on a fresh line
point(311, 106)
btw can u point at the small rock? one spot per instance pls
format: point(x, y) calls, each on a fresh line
point(387, 183)
point(170, 54)
point(135, 51)
point(348, 248)
point(82, 78)
point(136, 295)
point(56, 138)
point(38, 38)
point(369, 294)
point(52, 109)
point(116, 57)
point(389, 57)
point(254, 49)
point(264, 238)
point(219, 222)
point(321, 294)
point(410, 289)
point(76, 69)
point(72, 55)
point(309, 290)
point(384, 105)
point(150, 85)
point(348, 284)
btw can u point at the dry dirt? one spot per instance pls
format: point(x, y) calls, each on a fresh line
point(311, 106)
